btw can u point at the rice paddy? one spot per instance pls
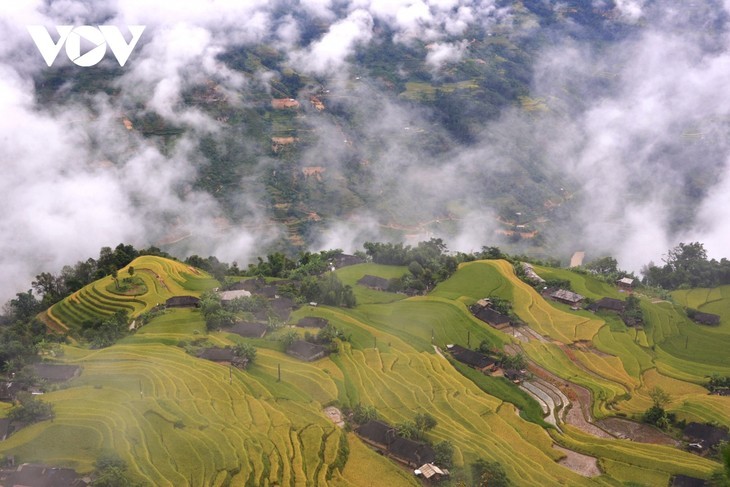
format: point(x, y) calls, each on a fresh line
point(180, 420)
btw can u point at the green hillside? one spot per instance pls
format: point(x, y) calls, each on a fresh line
point(162, 278)
point(180, 420)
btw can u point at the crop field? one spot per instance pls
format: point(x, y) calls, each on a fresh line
point(715, 301)
point(163, 279)
point(180, 420)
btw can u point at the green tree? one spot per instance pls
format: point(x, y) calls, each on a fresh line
point(362, 414)
point(408, 429)
point(115, 274)
point(30, 410)
point(130, 270)
point(245, 350)
point(425, 422)
point(489, 474)
point(444, 454)
point(289, 337)
point(659, 397)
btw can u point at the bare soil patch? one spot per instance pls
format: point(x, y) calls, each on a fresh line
point(643, 433)
point(584, 465)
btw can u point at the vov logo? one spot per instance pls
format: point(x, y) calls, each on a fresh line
point(71, 36)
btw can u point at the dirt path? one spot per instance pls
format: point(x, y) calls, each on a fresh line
point(438, 351)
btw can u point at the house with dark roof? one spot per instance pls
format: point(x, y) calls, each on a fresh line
point(705, 318)
point(412, 453)
point(706, 435)
point(223, 355)
point(472, 358)
point(250, 285)
point(34, 475)
point(55, 372)
point(608, 304)
point(384, 437)
point(230, 295)
point(687, 481)
point(312, 322)
point(182, 302)
point(306, 351)
point(248, 329)
point(374, 282)
point(376, 433)
point(344, 260)
point(491, 317)
point(567, 297)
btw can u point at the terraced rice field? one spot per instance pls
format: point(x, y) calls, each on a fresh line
point(163, 278)
point(179, 420)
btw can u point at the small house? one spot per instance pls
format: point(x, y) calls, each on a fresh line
point(687, 481)
point(429, 471)
point(283, 103)
point(707, 435)
point(55, 372)
point(312, 322)
point(608, 304)
point(412, 453)
point(473, 359)
point(374, 282)
point(182, 302)
point(306, 351)
point(35, 475)
point(376, 433)
point(626, 283)
point(344, 260)
point(248, 329)
point(223, 355)
point(705, 318)
point(567, 297)
point(491, 317)
point(228, 296)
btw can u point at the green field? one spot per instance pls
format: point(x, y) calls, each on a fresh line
point(179, 420)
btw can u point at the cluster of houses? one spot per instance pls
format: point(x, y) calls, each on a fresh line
point(484, 363)
point(418, 455)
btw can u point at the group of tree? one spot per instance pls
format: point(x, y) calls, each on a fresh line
point(718, 383)
point(327, 289)
point(428, 262)
point(111, 471)
point(326, 335)
point(417, 428)
point(687, 266)
point(104, 332)
point(28, 409)
point(656, 414)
